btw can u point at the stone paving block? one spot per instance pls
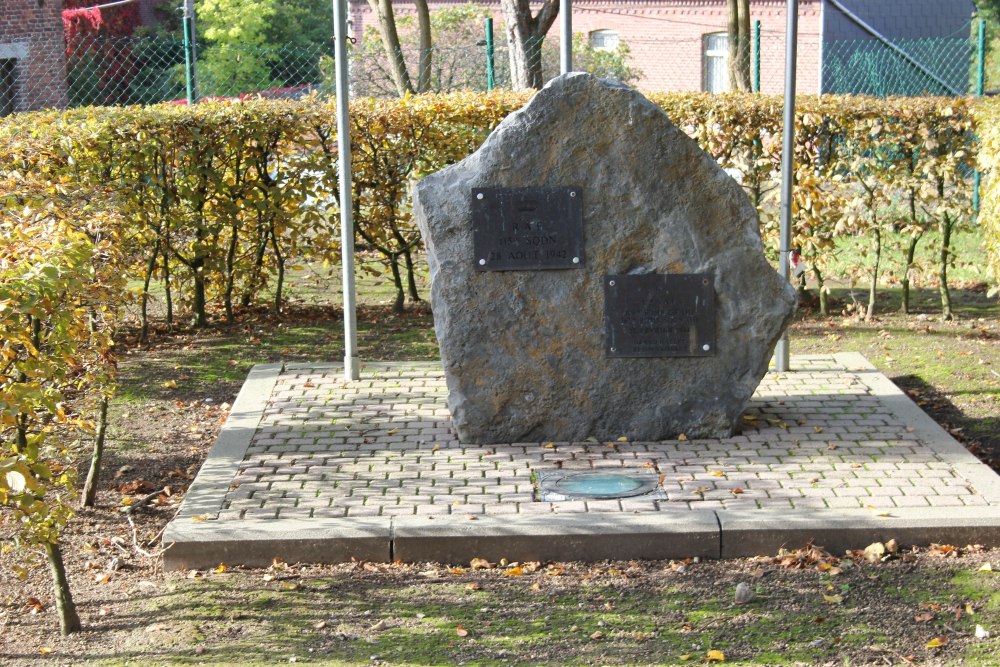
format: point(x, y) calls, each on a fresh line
point(290, 450)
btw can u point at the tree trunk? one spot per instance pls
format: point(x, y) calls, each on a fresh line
point(911, 252)
point(69, 621)
point(231, 271)
point(390, 42)
point(397, 306)
point(733, 38)
point(870, 313)
point(821, 288)
point(946, 227)
point(199, 299)
point(426, 46)
point(168, 292)
point(743, 56)
point(525, 34)
point(738, 33)
point(143, 312)
point(280, 283)
point(258, 268)
point(411, 279)
point(90, 486)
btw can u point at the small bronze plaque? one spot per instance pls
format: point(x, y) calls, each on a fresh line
point(527, 228)
point(656, 315)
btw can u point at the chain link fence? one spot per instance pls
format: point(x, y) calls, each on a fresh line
point(944, 66)
point(100, 71)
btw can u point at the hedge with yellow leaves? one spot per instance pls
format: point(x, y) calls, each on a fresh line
point(988, 129)
point(61, 288)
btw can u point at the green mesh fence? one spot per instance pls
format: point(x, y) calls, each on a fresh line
point(146, 71)
point(907, 67)
point(107, 72)
point(101, 71)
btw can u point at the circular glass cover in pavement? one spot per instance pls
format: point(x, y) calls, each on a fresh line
point(603, 485)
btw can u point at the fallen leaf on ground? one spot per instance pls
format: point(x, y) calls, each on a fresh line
point(682, 437)
point(597, 635)
point(319, 626)
point(45, 650)
point(222, 568)
point(480, 564)
point(924, 617)
point(874, 552)
point(461, 632)
point(381, 625)
point(170, 384)
point(456, 570)
point(833, 599)
point(514, 571)
point(473, 587)
point(943, 550)
point(986, 567)
point(715, 656)
point(937, 642)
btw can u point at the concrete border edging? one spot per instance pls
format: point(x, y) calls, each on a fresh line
point(202, 545)
point(203, 498)
point(761, 532)
point(652, 536)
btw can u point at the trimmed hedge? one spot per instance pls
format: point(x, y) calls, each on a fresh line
point(220, 198)
point(988, 128)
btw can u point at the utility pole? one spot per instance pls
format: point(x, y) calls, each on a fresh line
point(781, 352)
point(352, 365)
point(565, 36)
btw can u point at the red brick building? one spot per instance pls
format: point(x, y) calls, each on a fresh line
point(32, 55)
point(681, 44)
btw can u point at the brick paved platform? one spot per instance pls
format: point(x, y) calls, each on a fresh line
point(312, 468)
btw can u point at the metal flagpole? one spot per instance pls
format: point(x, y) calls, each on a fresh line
point(791, 37)
point(352, 367)
point(565, 36)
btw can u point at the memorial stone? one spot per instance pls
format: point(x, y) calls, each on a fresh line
point(665, 322)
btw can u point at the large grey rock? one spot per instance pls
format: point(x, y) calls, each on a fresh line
point(524, 351)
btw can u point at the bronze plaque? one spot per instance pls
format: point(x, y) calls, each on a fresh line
point(527, 228)
point(659, 315)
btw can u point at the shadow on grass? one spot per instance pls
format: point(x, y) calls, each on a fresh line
point(589, 615)
point(194, 364)
point(981, 436)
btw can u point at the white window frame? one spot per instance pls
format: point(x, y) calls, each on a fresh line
point(597, 39)
point(720, 56)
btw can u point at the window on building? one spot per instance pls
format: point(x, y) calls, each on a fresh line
point(604, 40)
point(7, 96)
point(716, 62)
